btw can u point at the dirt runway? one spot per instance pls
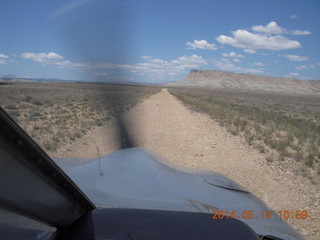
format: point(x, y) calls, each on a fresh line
point(164, 125)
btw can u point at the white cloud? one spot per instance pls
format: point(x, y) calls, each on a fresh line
point(46, 58)
point(192, 61)
point(294, 16)
point(271, 27)
point(3, 55)
point(294, 75)
point(236, 60)
point(303, 67)
point(258, 64)
point(251, 51)
point(3, 58)
point(300, 32)
point(146, 57)
point(107, 66)
point(100, 74)
point(154, 67)
point(52, 58)
point(294, 57)
point(160, 68)
point(228, 65)
point(253, 70)
point(64, 63)
point(274, 28)
point(232, 54)
point(201, 44)
point(251, 41)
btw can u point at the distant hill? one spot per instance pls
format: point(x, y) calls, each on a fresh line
point(9, 79)
point(228, 80)
point(12, 79)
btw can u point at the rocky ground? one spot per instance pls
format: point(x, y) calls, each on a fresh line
point(164, 125)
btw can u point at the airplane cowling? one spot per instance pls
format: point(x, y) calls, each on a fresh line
point(139, 179)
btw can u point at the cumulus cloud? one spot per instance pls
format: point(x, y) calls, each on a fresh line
point(3, 58)
point(146, 57)
point(104, 65)
point(302, 67)
point(251, 41)
point(295, 75)
point(251, 51)
point(232, 54)
point(228, 65)
point(258, 64)
point(46, 58)
point(52, 58)
point(294, 16)
point(309, 66)
point(192, 61)
point(300, 32)
point(268, 37)
point(236, 60)
point(100, 74)
point(274, 28)
point(151, 64)
point(154, 67)
point(201, 44)
point(160, 68)
point(294, 57)
point(3, 55)
point(271, 27)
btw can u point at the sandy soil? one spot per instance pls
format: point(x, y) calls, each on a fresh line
point(164, 125)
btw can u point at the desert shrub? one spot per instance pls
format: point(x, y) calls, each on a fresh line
point(37, 102)
point(11, 107)
point(269, 159)
point(310, 160)
point(28, 98)
point(278, 129)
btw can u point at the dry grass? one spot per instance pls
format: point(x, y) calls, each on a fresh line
point(282, 126)
point(55, 114)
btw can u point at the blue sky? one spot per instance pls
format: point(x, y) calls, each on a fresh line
point(158, 41)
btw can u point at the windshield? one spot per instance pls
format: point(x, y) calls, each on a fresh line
point(225, 86)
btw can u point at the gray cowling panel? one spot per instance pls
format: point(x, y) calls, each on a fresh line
point(31, 184)
point(138, 179)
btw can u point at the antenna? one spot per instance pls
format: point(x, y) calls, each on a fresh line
point(99, 163)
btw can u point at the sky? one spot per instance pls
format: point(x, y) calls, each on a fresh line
point(158, 41)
